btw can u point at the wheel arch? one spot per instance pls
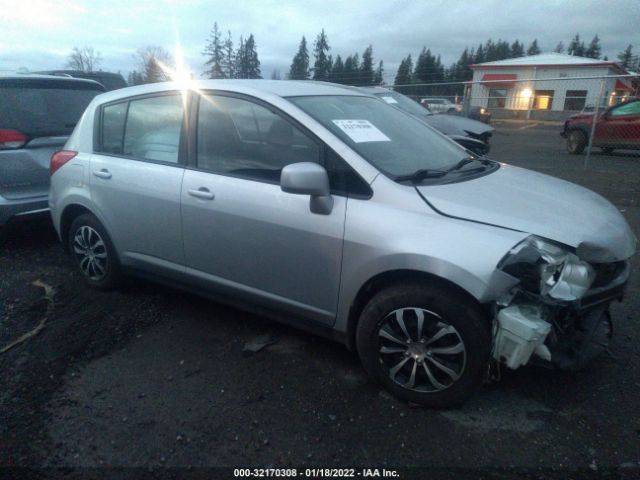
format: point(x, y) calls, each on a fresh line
point(69, 214)
point(393, 277)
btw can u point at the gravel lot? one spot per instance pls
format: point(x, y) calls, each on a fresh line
point(153, 377)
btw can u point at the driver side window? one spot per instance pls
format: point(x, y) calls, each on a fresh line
point(632, 108)
point(241, 138)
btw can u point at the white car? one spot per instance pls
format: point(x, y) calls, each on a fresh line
point(441, 105)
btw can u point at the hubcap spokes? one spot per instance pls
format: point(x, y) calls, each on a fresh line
point(91, 253)
point(420, 350)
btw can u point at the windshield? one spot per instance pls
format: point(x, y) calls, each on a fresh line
point(394, 142)
point(50, 109)
point(404, 103)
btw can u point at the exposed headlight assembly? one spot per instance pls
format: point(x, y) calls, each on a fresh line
point(545, 268)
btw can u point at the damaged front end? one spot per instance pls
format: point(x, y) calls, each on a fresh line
point(558, 313)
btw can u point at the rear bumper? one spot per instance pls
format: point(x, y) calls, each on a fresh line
point(10, 209)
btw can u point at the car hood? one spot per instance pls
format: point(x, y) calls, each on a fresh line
point(531, 202)
point(456, 125)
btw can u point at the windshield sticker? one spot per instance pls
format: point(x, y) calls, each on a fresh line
point(361, 131)
point(389, 99)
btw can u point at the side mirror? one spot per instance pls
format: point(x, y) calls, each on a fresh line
point(307, 178)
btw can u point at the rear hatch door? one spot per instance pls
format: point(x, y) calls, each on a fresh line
point(45, 111)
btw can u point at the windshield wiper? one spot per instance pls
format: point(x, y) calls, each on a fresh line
point(461, 163)
point(420, 175)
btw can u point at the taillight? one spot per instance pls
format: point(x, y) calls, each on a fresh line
point(58, 159)
point(12, 139)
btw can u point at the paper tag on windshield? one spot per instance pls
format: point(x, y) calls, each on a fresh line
point(361, 131)
point(389, 99)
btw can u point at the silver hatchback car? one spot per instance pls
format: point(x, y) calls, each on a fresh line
point(330, 210)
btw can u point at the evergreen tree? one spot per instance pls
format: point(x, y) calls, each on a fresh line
point(377, 76)
point(228, 62)
point(240, 60)
point(404, 74)
point(135, 78)
point(626, 58)
point(366, 69)
point(559, 47)
point(351, 70)
point(594, 49)
point(337, 70)
point(517, 50)
point(479, 55)
point(576, 47)
point(214, 50)
point(322, 65)
point(533, 48)
point(251, 58)
point(503, 50)
point(300, 65)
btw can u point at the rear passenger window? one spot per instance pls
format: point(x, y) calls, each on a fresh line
point(242, 138)
point(152, 130)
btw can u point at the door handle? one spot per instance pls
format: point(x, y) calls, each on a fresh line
point(104, 173)
point(202, 193)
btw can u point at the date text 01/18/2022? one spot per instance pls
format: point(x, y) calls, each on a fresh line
point(315, 472)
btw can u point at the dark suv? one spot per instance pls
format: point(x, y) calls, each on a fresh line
point(37, 115)
point(110, 81)
point(617, 127)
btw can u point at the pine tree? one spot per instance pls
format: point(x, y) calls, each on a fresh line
point(240, 60)
point(626, 58)
point(576, 47)
point(559, 47)
point(404, 74)
point(337, 70)
point(251, 58)
point(533, 48)
point(214, 50)
point(517, 50)
point(228, 62)
point(322, 65)
point(300, 65)
point(366, 69)
point(594, 49)
point(377, 76)
point(479, 55)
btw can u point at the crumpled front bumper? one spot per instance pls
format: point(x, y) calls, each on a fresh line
point(580, 330)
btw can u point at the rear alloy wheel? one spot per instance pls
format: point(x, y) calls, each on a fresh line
point(93, 252)
point(576, 142)
point(424, 343)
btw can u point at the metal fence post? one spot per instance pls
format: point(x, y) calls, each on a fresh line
point(593, 124)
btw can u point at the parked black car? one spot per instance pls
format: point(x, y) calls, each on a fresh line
point(110, 81)
point(471, 134)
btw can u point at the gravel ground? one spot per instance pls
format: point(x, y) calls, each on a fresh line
point(155, 378)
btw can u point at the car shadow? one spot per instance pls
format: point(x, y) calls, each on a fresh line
point(29, 234)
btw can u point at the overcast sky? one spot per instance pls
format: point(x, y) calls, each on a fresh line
point(38, 34)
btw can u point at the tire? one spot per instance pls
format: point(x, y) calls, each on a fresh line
point(576, 142)
point(607, 150)
point(93, 253)
point(450, 322)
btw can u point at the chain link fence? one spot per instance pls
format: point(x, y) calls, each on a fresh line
point(571, 103)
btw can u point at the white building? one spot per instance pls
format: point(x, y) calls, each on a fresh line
point(547, 85)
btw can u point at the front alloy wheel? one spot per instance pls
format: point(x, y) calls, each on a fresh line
point(420, 351)
point(425, 342)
